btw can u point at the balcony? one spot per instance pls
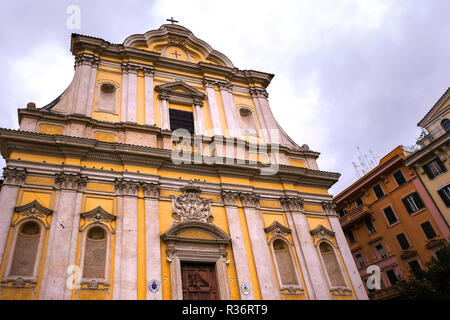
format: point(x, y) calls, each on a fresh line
point(384, 294)
point(356, 215)
point(426, 138)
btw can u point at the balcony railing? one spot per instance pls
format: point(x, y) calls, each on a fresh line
point(355, 215)
point(427, 138)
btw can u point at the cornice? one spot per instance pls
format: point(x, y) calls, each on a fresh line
point(13, 140)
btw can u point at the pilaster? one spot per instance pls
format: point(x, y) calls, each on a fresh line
point(260, 100)
point(148, 103)
point(12, 180)
point(230, 110)
point(61, 236)
point(312, 259)
point(289, 205)
point(152, 239)
point(347, 256)
point(164, 107)
point(86, 69)
point(260, 249)
point(132, 71)
point(128, 263)
point(229, 199)
point(213, 107)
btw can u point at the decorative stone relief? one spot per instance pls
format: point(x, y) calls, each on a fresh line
point(70, 181)
point(190, 206)
point(14, 176)
point(292, 203)
point(229, 198)
point(249, 199)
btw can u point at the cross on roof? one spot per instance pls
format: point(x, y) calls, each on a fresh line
point(176, 54)
point(172, 20)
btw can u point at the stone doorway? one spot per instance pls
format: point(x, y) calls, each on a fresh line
point(199, 281)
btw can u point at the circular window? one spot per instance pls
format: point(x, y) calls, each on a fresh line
point(96, 233)
point(108, 88)
point(244, 112)
point(30, 228)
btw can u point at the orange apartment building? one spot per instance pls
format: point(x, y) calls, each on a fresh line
point(390, 220)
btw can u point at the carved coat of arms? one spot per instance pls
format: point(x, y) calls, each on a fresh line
point(190, 206)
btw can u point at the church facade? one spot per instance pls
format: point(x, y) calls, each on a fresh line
point(161, 173)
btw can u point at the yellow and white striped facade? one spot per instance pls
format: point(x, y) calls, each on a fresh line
point(100, 156)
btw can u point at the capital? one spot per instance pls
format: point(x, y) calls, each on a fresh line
point(229, 198)
point(126, 187)
point(87, 59)
point(70, 181)
point(292, 203)
point(151, 190)
point(207, 83)
point(14, 176)
point(257, 92)
point(249, 199)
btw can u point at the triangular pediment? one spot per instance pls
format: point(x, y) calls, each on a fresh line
point(33, 208)
point(322, 231)
point(277, 228)
point(99, 214)
point(180, 87)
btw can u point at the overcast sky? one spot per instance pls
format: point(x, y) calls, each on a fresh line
point(347, 73)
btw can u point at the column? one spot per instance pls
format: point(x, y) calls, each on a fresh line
point(290, 204)
point(213, 108)
point(86, 67)
point(132, 94)
point(264, 267)
point(148, 103)
point(128, 261)
point(124, 100)
point(57, 257)
point(347, 256)
point(152, 239)
point(198, 118)
point(164, 107)
point(312, 260)
point(230, 110)
point(12, 180)
point(237, 243)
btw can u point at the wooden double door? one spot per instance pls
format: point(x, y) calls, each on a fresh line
point(199, 281)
